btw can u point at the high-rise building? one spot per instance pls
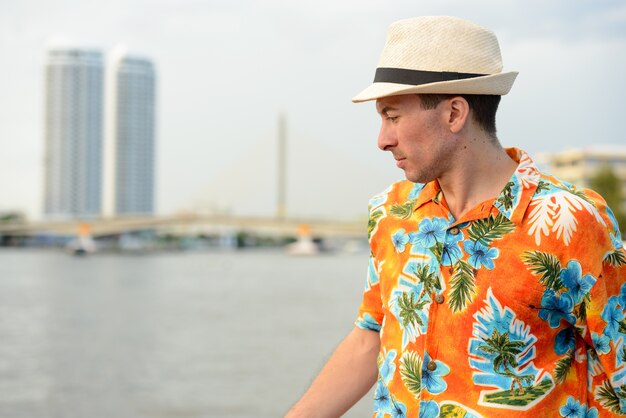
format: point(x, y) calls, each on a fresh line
point(130, 135)
point(73, 133)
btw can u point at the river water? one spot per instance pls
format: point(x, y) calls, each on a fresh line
point(197, 334)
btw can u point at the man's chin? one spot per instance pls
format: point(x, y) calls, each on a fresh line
point(418, 178)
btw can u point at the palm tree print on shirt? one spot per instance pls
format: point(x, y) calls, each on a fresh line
point(501, 353)
point(505, 361)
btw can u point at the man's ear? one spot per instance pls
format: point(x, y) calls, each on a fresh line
point(458, 114)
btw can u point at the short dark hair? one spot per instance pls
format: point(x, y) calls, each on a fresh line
point(484, 107)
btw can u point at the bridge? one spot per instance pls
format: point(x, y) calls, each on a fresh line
point(194, 224)
point(190, 224)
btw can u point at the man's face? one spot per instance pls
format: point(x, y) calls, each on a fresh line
point(416, 137)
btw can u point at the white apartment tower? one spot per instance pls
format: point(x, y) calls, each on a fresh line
point(73, 133)
point(130, 152)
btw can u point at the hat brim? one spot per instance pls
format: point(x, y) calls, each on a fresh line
point(495, 84)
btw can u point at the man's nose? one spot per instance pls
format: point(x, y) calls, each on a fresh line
point(386, 137)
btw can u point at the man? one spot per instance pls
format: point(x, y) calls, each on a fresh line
point(494, 290)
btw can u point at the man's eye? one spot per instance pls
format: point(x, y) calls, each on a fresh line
point(392, 118)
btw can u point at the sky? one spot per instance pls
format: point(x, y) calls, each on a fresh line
point(226, 70)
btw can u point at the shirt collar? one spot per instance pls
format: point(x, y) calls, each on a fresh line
point(519, 191)
point(514, 198)
point(428, 193)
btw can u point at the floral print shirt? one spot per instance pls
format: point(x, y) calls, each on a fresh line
point(516, 309)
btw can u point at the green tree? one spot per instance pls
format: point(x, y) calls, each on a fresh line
point(609, 186)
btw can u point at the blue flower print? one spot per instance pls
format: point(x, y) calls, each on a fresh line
point(612, 315)
point(615, 235)
point(430, 232)
point(368, 322)
point(382, 400)
point(372, 274)
point(564, 341)
point(429, 409)
point(432, 380)
point(589, 413)
point(622, 405)
point(399, 240)
point(555, 307)
point(451, 252)
point(601, 343)
point(398, 410)
point(571, 409)
point(622, 295)
point(388, 367)
point(480, 255)
point(616, 240)
point(577, 284)
point(415, 191)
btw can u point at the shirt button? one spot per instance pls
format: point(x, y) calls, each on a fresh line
point(455, 230)
point(432, 366)
point(439, 299)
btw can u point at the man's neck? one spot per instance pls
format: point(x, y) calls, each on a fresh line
point(481, 170)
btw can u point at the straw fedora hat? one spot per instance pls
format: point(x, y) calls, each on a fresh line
point(439, 54)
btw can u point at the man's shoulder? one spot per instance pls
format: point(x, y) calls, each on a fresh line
point(562, 192)
point(397, 198)
point(561, 207)
point(398, 192)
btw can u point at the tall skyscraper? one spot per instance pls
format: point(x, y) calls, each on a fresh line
point(73, 133)
point(130, 135)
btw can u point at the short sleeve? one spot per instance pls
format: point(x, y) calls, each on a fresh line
point(370, 312)
point(370, 315)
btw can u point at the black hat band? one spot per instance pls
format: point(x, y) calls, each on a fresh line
point(417, 77)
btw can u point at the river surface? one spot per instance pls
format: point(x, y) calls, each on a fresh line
point(198, 334)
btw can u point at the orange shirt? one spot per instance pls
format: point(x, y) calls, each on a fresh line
point(516, 309)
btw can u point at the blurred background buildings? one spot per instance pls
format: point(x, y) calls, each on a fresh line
point(80, 157)
point(130, 135)
point(73, 133)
